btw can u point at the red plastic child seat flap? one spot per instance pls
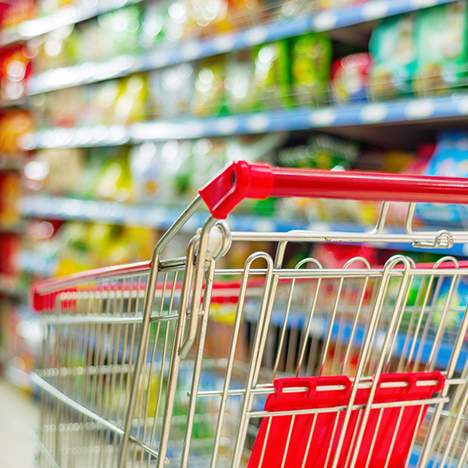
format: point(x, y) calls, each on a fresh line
point(310, 440)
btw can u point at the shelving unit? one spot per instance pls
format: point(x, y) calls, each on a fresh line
point(341, 333)
point(190, 50)
point(66, 16)
point(160, 217)
point(358, 116)
point(400, 123)
point(373, 122)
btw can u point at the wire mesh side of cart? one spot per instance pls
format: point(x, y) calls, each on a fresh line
point(182, 362)
point(92, 332)
point(309, 321)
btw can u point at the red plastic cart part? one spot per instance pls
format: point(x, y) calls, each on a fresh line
point(44, 293)
point(223, 292)
point(242, 180)
point(312, 444)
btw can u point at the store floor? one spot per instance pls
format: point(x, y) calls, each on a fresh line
point(18, 421)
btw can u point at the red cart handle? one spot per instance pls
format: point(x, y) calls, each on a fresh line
point(242, 180)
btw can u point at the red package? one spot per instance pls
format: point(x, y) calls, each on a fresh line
point(9, 246)
point(350, 77)
point(15, 68)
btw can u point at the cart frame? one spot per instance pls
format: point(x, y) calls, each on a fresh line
point(57, 300)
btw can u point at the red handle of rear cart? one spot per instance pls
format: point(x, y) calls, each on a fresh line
point(242, 180)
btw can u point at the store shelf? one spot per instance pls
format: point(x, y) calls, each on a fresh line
point(65, 16)
point(195, 49)
point(90, 136)
point(43, 206)
point(341, 332)
point(416, 110)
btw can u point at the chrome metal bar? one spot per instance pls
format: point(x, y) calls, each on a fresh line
point(454, 429)
point(105, 319)
point(197, 365)
point(59, 396)
point(229, 367)
point(257, 352)
point(175, 355)
point(335, 409)
point(140, 358)
point(425, 237)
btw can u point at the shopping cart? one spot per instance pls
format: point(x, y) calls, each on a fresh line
point(362, 365)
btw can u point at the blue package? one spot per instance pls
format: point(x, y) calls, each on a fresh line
point(450, 159)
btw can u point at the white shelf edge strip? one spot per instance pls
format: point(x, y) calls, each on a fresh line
point(357, 114)
point(190, 50)
point(43, 206)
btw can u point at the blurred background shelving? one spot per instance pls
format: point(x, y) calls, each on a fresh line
point(114, 112)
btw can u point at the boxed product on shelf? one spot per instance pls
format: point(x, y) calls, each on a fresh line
point(310, 68)
point(321, 152)
point(122, 101)
point(77, 246)
point(392, 47)
point(118, 33)
point(450, 159)
point(9, 247)
point(59, 48)
point(171, 91)
point(442, 48)
point(273, 75)
point(130, 103)
point(114, 179)
point(96, 162)
point(135, 28)
point(350, 78)
point(113, 33)
point(49, 112)
point(14, 123)
point(14, 12)
point(15, 68)
point(57, 171)
point(162, 171)
point(10, 191)
point(240, 82)
point(154, 23)
point(208, 90)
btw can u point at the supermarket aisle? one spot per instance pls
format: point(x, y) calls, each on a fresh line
point(18, 420)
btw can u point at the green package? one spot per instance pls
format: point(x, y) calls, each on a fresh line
point(154, 23)
point(311, 62)
point(240, 82)
point(441, 41)
point(393, 51)
point(208, 97)
point(119, 30)
point(272, 75)
point(321, 152)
